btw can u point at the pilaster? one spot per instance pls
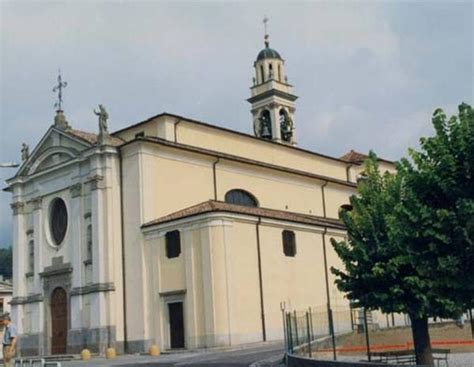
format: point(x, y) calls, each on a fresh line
point(98, 222)
point(208, 288)
point(77, 251)
point(191, 312)
point(37, 206)
point(77, 234)
point(276, 130)
point(19, 243)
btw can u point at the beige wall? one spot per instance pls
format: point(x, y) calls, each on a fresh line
point(223, 141)
point(227, 142)
point(218, 266)
point(217, 277)
point(173, 180)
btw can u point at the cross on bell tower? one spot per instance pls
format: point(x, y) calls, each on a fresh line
point(272, 98)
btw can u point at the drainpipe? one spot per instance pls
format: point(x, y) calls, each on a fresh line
point(260, 279)
point(348, 168)
point(176, 129)
point(124, 287)
point(214, 173)
point(324, 198)
point(330, 319)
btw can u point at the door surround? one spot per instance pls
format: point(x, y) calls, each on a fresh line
point(58, 275)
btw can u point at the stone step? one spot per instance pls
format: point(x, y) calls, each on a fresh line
point(60, 357)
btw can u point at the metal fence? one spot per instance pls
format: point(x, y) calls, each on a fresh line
point(39, 362)
point(315, 329)
point(326, 331)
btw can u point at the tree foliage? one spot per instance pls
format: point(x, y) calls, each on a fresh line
point(410, 241)
point(441, 185)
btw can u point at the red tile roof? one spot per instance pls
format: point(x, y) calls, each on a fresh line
point(92, 138)
point(220, 206)
point(356, 157)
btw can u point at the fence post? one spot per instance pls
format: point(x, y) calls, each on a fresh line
point(367, 340)
point(290, 332)
point(472, 322)
point(352, 317)
point(282, 308)
point(296, 329)
point(331, 331)
point(308, 333)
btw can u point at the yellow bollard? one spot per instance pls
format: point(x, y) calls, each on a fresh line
point(154, 351)
point(110, 353)
point(85, 354)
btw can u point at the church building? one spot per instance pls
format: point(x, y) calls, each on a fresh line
point(175, 232)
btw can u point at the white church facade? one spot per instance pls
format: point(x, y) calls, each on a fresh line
point(175, 232)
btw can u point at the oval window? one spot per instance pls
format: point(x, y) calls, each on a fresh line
point(58, 220)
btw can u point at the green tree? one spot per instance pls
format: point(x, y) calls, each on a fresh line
point(6, 262)
point(441, 178)
point(410, 235)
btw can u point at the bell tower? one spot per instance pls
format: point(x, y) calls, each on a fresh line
point(272, 98)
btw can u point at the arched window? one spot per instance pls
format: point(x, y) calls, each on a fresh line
point(279, 72)
point(262, 74)
point(31, 257)
point(240, 197)
point(289, 243)
point(265, 125)
point(283, 115)
point(270, 71)
point(286, 125)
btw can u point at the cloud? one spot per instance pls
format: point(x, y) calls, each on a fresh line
point(369, 74)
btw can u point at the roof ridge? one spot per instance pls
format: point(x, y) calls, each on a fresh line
point(217, 205)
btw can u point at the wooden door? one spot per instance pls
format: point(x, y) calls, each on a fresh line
point(176, 325)
point(59, 321)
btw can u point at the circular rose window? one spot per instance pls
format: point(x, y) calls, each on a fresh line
point(58, 220)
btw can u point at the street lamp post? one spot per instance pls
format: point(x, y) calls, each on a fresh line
point(9, 165)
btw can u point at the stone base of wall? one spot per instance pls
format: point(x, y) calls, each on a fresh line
point(139, 346)
point(31, 345)
point(97, 340)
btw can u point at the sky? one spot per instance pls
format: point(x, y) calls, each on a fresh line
point(368, 74)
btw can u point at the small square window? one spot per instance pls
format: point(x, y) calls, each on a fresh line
point(173, 244)
point(141, 134)
point(289, 243)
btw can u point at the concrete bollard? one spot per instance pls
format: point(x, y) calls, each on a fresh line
point(154, 351)
point(85, 354)
point(110, 353)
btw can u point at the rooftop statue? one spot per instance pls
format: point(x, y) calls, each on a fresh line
point(25, 152)
point(103, 117)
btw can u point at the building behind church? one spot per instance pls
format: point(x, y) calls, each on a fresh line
point(176, 232)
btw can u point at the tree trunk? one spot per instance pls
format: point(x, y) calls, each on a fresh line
point(421, 339)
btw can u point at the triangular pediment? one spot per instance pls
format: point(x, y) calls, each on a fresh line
point(56, 147)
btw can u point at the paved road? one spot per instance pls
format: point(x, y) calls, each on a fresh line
point(265, 355)
point(454, 359)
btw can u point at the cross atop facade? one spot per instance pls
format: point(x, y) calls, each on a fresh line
point(59, 88)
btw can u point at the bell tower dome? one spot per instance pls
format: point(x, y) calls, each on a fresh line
point(272, 98)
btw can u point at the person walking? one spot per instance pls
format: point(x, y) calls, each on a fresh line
point(9, 340)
